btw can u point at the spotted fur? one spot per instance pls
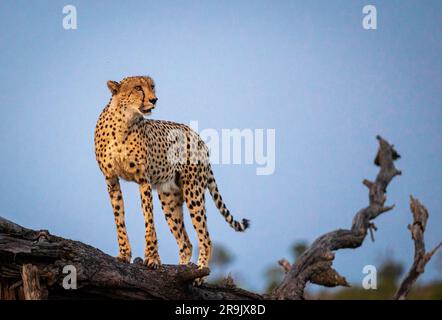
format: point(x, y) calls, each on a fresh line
point(161, 155)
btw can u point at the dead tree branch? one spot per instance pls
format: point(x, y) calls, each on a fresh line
point(421, 257)
point(330, 278)
point(314, 265)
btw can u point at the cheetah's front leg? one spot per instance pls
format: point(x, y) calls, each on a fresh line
point(116, 197)
point(151, 256)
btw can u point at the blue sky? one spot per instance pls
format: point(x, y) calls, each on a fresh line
point(304, 68)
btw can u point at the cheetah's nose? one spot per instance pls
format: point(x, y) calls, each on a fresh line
point(153, 101)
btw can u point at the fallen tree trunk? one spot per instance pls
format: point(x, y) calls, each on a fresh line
point(36, 265)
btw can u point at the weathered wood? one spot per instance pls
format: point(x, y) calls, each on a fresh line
point(329, 278)
point(314, 265)
point(10, 290)
point(31, 282)
point(421, 257)
point(98, 274)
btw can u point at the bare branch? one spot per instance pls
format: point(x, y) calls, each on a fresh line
point(315, 263)
point(329, 278)
point(421, 258)
point(285, 264)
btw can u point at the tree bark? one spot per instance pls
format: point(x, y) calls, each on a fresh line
point(421, 257)
point(31, 283)
point(32, 263)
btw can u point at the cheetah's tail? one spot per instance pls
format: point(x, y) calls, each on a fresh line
point(213, 189)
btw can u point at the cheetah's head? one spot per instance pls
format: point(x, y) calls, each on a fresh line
point(135, 93)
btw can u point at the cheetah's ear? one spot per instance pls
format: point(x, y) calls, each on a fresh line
point(113, 86)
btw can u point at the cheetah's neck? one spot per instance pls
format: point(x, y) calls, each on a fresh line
point(122, 119)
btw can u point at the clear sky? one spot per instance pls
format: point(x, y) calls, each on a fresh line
point(304, 68)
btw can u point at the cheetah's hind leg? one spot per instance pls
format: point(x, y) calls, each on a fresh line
point(172, 205)
point(195, 202)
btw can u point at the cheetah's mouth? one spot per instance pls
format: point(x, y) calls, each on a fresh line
point(146, 110)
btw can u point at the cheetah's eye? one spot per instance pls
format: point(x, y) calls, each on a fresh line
point(138, 88)
point(153, 87)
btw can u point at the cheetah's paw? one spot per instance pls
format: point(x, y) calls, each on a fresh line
point(152, 263)
point(198, 281)
point(124, 258)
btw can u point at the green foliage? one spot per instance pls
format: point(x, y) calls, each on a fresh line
point(430, 291)
point(299, 248)
point(274, 274)
point(221, 257)
point(390, 274)
point(221, 260)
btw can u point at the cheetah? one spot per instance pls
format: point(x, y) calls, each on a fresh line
point(161, 155)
